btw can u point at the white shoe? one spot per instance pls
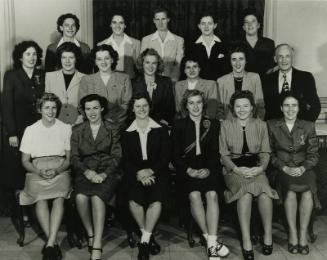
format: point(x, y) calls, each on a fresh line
point(222, 250)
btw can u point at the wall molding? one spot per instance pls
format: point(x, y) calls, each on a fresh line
point(270, 19)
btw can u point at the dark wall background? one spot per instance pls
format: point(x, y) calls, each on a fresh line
point(184, 16)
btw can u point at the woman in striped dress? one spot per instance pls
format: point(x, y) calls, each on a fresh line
point(244, 148)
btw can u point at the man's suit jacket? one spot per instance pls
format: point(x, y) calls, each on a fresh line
point(158, 152)
point(303, 86)
point(55, 83)
point(118, 92)
point(251, 82)
point(51, 62)
point(131, 54)
point(163, 101)
point(208, 87)
point(173, 50)
point(214, 66)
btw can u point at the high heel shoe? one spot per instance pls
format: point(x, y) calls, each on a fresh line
point(248, 254)
point(267, 249)
point(97, 249)
point(143, 251)
point(89, 245)
point(154, 247)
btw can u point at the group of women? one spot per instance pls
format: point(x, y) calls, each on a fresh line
point(121, 133)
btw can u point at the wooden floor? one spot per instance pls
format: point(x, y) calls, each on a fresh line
point(171, 238)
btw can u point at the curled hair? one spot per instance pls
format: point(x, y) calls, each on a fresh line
point(135, 97)
point(251, 11)
point(243, 94)
point(94, 97)
point(237, 48)
point(113, 54)
point(286, 95)
point(21, 47)
point(61, 19)
point(48, 97)
point(161, 10)
point(207, 14)
point(192, 93)
point(187, 58)
point(151, 52)
point(69, 47)
point(123, 15)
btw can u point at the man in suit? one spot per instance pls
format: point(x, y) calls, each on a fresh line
point(289, 79)
point(127, 47)
point(193, 81)
point(210, 50)
point(169, 46)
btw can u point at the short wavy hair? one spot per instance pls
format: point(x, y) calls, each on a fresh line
point(237, 48)
point(113, 54)
point(286, 95)
point(251, 11)
point(61, 19)
point(192, 93)
point(151, 52)
point(136, 96)
point(48, 97)
point(69, 47)
point(243, 94)
point(21, 47)
point(94, 97)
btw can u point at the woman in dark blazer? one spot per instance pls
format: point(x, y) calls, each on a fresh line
point(22, 87)
point(95, 156)
point(158, 87)
point(146, 154)
point(294, 147)
point(195, 156)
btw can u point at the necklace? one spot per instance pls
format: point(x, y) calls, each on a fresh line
point(238, 79)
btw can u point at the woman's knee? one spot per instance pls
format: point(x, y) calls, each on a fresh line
point(156, 204)
point(134, 205)
point(212, 196)
point(307, 195)
point(195, 197)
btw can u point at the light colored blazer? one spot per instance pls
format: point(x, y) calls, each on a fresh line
point(131, 54)
point(55, 83)
point(118, 92)
point(251, 82)
point(173, 53)
point(208, 87)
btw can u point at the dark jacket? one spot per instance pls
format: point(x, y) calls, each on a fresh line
point(163, 100)
point(158, 152)
point(298, 148)
point(52, 63)
point(102, 155)
point(303, 86)
point(183, 135)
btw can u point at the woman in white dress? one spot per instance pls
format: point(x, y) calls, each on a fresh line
point(45, 151)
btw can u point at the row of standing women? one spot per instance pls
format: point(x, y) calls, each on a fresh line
point(94, 149)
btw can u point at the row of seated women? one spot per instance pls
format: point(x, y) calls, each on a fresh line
point(94, 151)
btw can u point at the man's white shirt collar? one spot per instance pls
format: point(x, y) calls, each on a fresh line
point(169, 36)
point(62, 41)
point(200, 39)
point(151, 124)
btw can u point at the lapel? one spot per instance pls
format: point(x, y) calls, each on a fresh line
point(169, 47)
point(274, 83)
point(182, 87)
point(150, 144)
point(246, 81)
point(25, 79)
point(200, 85)
point(102, 134)
point(136, 142)
point(74, 82)
point(296, 84)
point(158, 92)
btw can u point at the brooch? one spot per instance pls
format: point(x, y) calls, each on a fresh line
point(302, 141)
point(37, 79)
point(206, 123)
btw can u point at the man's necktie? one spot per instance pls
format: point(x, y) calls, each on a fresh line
point(285, 87)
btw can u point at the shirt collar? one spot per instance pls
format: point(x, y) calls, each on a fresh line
point(200, 39)
point(169, 36)
point(111, 41)
point(288, 75)
point(151, 124)
point(62, 41)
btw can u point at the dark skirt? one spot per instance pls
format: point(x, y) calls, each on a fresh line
point(146, 195)
point(202, 185)
point(307, 181)
point(104, 190)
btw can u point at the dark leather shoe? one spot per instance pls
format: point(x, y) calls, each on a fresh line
point(155, 248)
point(143, 251)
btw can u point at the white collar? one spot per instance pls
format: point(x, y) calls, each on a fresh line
point(110, 40)
point(200, 39)
point(62, 41)
point(288, 74)
point(169, 36)
point(151, 124)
